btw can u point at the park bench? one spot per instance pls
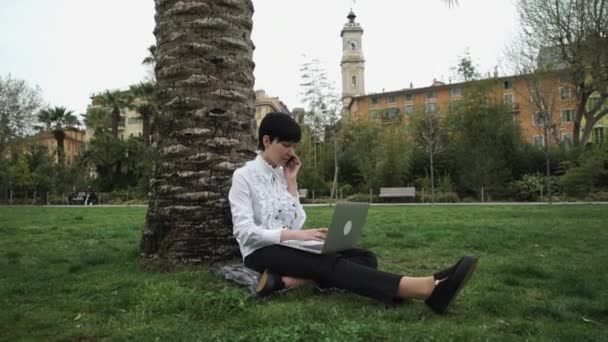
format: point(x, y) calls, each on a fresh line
point(398, 192)
point(303, 193)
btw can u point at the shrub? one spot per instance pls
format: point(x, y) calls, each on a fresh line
point(440, 197)
point(362, 198)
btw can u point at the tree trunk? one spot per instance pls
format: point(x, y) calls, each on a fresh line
point(205, 81)
point(115, 121)
point(432, 176)
point(59, 136)
point(587, 132)
point(145, 116)
point(548, 165)
point(334, 186)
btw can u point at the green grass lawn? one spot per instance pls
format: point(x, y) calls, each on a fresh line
point(74, 273)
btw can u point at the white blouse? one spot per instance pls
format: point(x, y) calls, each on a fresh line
point(261, 206)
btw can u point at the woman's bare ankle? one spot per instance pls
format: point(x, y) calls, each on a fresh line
point(293, 282)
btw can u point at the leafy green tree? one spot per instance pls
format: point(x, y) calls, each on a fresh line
point(484, 137)
point(393, 152)
point(588, 174)
point(105, 153)
point(42, 169)
point(22, 178)
point(56, 120)
point(358, 141)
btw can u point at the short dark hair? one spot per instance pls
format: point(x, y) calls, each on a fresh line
point(280, 127)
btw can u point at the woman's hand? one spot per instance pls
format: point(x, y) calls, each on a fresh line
point(291, 168)
point(317, 234)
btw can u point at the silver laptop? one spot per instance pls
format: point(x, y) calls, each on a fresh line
point(343, 233)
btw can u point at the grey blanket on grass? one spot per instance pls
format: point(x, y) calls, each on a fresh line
point(240, 274)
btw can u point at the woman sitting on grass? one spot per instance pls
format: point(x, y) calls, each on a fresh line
point(266, 211)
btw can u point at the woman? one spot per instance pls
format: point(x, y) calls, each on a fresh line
point(266, 211)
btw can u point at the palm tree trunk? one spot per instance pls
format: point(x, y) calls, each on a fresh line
point(59, 136)
point(145, 117)
point(115, 121)
point(205, 89)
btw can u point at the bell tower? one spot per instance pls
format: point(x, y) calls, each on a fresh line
point(353, 64)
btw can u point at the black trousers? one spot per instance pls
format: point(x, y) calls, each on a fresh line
point(354, 270)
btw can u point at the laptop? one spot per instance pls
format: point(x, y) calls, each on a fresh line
point(343, 232)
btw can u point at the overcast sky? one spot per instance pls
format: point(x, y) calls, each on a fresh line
point(72, 48)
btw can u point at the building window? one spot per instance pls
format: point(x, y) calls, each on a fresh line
point(539, 118)
point(567, 139)
point(374, 100)
point(507, 85)
point(431, 107)
point(567, 115)
point(431, 94)
point(598, 135)
point(409, 109)
point(565, 93)
point(391, 99)
point(135, 120)
point(390, 114)
point(538, 140)
point(354, 82)
point(456, 91)
point(508, 100)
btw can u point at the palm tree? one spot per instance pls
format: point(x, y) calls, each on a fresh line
point(116, 101)
point(151, 58)
point(204, 70)
point(57, 119)
point(144, 103)
point(98, 119)
point(205, 93)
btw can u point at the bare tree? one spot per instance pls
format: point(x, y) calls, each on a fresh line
point(428, 135)
point(323, 109)
point(18, 105)
point(570, 37)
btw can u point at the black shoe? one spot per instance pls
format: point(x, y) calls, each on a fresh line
point(269, 283)
point(449, 282)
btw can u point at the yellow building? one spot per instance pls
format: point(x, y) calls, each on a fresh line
point(264, 105)
point(73, 144)
point(514, 91)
